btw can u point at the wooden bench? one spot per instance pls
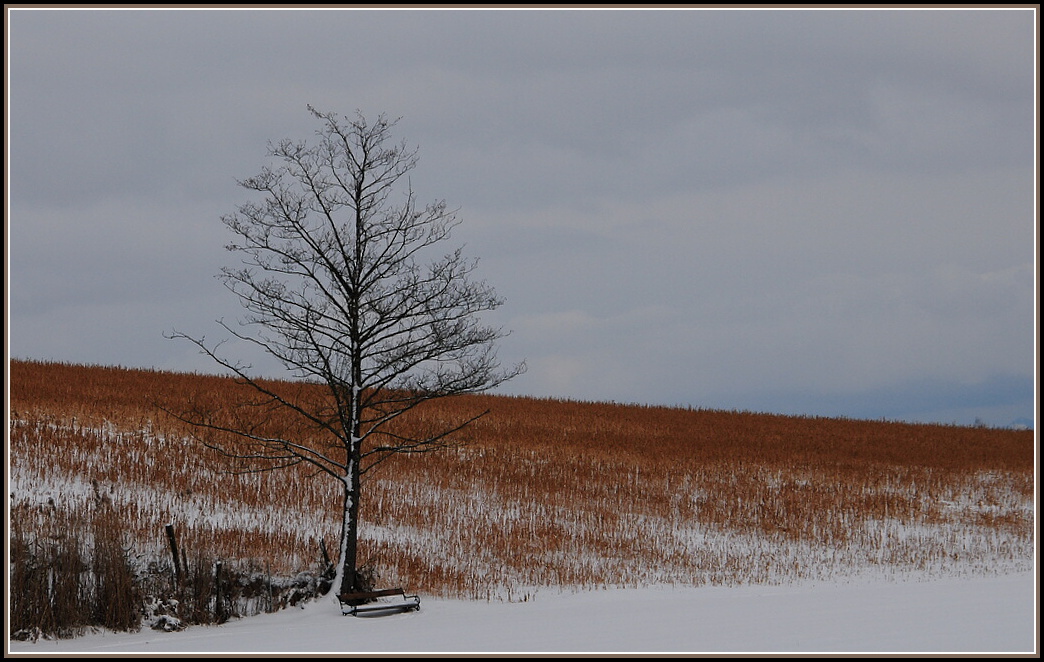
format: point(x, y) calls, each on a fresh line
point(366, 601)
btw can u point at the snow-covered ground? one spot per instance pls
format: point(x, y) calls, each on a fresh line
point(954, 615)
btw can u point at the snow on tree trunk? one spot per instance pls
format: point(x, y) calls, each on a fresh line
point(348, 568)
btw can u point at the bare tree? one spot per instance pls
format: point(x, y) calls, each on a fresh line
point(343, 287)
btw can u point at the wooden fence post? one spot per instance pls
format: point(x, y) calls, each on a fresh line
point(174, 554)
point(219, 605)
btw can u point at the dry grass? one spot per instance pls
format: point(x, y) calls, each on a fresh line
point(546, 494)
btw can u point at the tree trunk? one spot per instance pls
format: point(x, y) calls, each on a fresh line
point(350, 532)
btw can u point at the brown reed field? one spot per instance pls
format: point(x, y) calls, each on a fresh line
point(540, 495)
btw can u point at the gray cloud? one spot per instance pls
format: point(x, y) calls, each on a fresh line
point(791, 210)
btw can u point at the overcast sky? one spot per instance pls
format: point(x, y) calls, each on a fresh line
point(805, 212)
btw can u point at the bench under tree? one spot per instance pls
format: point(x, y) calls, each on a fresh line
point(361, 602)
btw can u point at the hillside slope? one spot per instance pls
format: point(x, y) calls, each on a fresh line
point(541, 493)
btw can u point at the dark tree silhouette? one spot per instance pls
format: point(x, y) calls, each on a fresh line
point(343, 287)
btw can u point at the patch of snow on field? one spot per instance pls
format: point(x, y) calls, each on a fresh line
point(983, 615)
